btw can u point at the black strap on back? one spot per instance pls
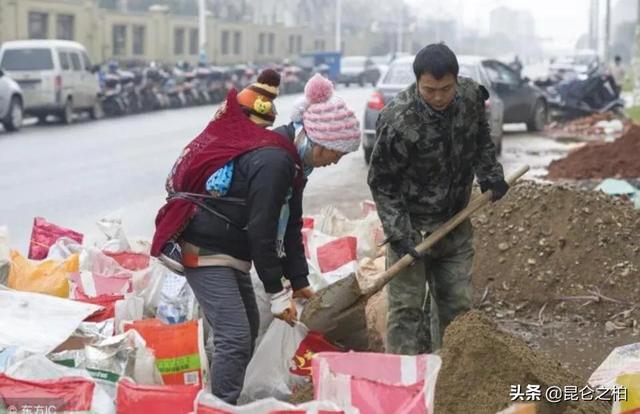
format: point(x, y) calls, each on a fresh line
point(196, 199)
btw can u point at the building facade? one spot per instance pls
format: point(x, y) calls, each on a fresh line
point(156, 34)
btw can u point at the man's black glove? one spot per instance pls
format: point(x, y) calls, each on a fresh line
point(404, 246)
point(498, 189)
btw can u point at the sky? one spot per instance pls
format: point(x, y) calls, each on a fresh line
point(559, 22)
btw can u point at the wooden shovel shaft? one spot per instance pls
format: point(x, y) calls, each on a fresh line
point(383, 278)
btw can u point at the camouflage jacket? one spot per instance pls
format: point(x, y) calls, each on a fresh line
point(424, 161)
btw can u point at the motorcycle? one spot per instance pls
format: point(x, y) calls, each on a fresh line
point(584, 95)
point(113, 103)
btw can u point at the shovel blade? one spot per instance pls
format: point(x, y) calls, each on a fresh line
point(321, 310)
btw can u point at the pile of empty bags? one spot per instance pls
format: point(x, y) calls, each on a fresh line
point(107, 328)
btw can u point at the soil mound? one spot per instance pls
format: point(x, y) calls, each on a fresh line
point(560, 246)
point(618, 159)
point(480, 363)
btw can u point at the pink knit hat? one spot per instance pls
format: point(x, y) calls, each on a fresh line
point(327, 120)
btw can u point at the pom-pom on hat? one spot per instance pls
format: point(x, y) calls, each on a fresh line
point(326, 118)
point(257, 98)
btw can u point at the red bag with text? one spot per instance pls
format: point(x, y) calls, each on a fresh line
point(313, 343)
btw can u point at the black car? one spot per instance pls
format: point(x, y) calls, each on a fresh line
point(358, 69)
point(523, 102)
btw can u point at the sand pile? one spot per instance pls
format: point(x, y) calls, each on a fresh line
point(480, 364)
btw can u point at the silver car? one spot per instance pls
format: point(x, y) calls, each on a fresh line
point(11, 103)
point(400, 75)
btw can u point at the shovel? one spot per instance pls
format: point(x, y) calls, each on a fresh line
point(337, 311)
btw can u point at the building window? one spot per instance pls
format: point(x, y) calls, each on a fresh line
point(178, 41)
point(38, 25)
point(299, 44)
point(194, 46)
point(292, 41)
point(272, 41)
point(119, 33)
point(261, 39)
point(139, 33)
point(225, 42)
point(319, 45)
point(237, 43)
point(64, 26)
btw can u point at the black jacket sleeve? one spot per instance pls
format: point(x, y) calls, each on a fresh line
point(295, 263)
point(270, 175)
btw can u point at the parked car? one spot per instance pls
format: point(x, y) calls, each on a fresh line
point(523, 101)
point(11, 103)
point(56, 77)
point(358, 69)
point(400, 75)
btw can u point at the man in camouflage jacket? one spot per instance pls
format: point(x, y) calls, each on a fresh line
point(430, 142)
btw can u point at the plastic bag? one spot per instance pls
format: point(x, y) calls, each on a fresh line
point(157, 399)
point(10, 355)
point(264, 306)
point(268, 373)
point(39, 368)
point(69, 395)
point(177, 302)
point(39, 323)
point(49, 277)
point(330, 258)
point(108, 303)
point(91, 285)
point(148, 284)
point(368, 229)
point(377, 383)
point(179, 349)
point(312, 344)
point(130, 260)
point(45, 234)
point(63, 248)
point(129, 309)
point(622, 360)
point(115, 240)
point(207, 403)
point(112, 358)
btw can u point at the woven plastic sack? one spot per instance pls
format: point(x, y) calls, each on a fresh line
point(209, 404)
point(179, 349)
point(134, 398)
point(50, 277)
point(45, 234)
point(69, 395)
point(377, 383)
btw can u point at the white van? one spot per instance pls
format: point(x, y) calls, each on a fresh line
point(56, 77)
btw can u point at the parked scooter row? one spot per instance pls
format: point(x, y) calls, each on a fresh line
point(154, 87)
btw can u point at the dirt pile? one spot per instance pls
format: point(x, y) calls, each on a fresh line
point(560, 246)
point(480, 363)
point(619, 159)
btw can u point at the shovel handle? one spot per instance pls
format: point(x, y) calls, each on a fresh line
point(381, 280)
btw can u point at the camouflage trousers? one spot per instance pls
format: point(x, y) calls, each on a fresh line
point(425, 297)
